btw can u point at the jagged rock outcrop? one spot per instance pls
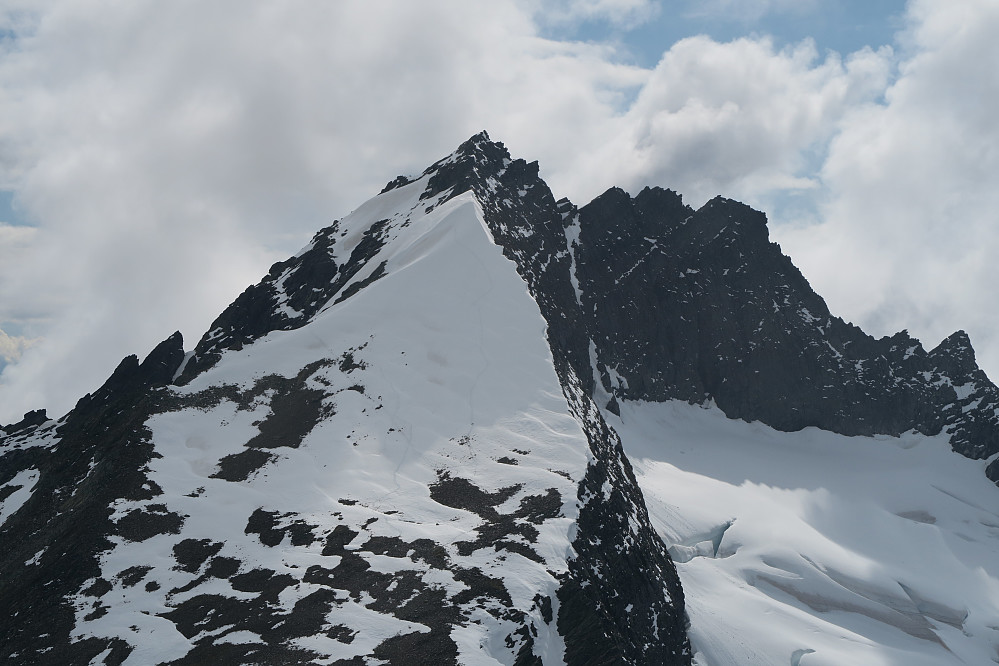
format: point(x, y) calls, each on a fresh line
point(72, 471)
point(700, 305)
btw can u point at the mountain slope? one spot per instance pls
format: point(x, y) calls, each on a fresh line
point(406, 444)
point(819, 547)
point(700, 305)
point(371, 454)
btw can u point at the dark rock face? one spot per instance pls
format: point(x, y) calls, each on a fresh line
point(699, 305)
point(289, 296)
point(84, 463)
point(622, 602)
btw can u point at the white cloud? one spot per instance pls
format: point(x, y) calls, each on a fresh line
point(11, 347)
point(909, 238)
point(736, 118)
point(14, 238)
point(168, 152)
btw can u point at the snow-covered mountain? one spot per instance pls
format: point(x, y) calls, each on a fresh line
point(410, 442)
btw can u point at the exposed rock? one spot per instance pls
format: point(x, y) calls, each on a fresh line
point(700, 305)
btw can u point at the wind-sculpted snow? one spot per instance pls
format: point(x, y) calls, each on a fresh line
point(818, 547)
point(339, 262)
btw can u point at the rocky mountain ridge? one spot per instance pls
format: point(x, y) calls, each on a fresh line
point(625, 299)
point(700, 305)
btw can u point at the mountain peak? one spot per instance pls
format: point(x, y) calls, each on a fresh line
point(730, 218)
point(477, 149)
point(955, 354)
point(958, 341)
point(479, 142)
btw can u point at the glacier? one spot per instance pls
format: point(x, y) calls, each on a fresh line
point(840, 550)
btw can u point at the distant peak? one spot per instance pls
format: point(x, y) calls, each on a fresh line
point(665, 201)
point(956, 342)
point(656, 191)
point(614, 194)
point(477, 149)
point(955, 354)
point(732, 218)
point(481, 137)
point(725, 202)
point(481, 147)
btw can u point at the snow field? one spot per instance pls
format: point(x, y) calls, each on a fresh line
point(812, 548)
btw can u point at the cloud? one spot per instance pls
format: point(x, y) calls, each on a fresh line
point(737, 118)
point(13, 239)
point(167, 153)
point(908, 238)
point(12, 347)
point(16, 242)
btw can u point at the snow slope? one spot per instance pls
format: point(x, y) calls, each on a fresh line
point(382, 452)
point(811, 548)
point(440, 373)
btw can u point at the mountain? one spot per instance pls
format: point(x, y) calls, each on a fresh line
point(725, 316)
point(374, 453)
point(412, 443)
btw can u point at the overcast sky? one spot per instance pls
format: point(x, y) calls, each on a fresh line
point(157, 157)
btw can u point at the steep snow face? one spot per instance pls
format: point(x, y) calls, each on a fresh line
point(399, 475)
point(813, 548)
